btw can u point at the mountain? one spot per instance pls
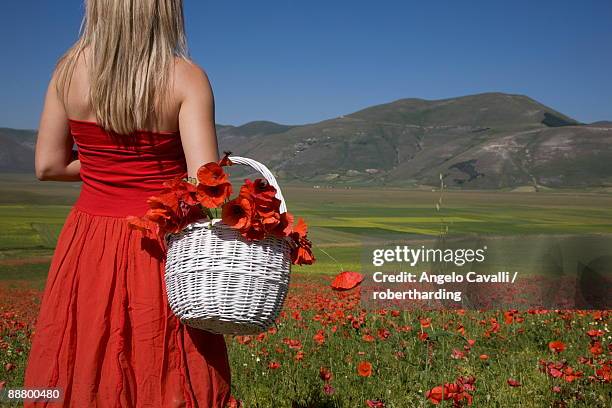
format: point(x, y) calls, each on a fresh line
point(17, 150)
point(602, 123)
point(490, 141)
point(489, 109)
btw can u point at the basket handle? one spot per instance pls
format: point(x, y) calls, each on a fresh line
point(267, 175)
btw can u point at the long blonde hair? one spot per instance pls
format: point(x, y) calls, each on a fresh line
point(133, 46)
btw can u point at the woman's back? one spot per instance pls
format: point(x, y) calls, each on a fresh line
point(78, 105)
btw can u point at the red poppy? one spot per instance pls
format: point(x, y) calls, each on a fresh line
point(237, 213)
point(188, 214)
point(259, 189)
point(604, 374)
point(300, 230)
point(273, 365)
point(171, 215)
point(163, 217)
point(268, 212)
point(364, 369)
point(169, 211)
point(383, 333)
point(595, 348)
point(234, 403)
point(513, 383)
point(167, 200)
point(593, 334)
point(375, 404)
point(211, 174)
point(452, 391)
point(139, 223)
point(293, 343)
point(159, 216)
point(555, 372)
point(368, 337)
point(225, 160)
point(346, 280)
point(213, 196)
point(556, 346)
point(325, 374)
point(457, 391)
point(559, 370)
point(269, 220)
point(319, 338)
point(184, 190)
point(255, 231)
point(437, 394)
point(467, 383)
point(284, 226)
point(266, 205)
point(569, 374)
point(328, 389)
point(302, 254)
point(425, 323)
point(243, 339)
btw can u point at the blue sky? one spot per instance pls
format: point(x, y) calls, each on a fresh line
point(303, 61)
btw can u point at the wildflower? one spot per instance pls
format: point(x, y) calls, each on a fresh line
point(346, 280)
point(364, 369)
point(513, 383)
point(325, 374)
point(211, 174)
point(237, 213)
point(556, 346)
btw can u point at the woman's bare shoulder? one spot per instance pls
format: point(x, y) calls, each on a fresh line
point(190, 78)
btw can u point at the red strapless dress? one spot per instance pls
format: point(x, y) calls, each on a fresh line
point(105, 334)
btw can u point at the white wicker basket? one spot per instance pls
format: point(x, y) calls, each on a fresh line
point(219, 282)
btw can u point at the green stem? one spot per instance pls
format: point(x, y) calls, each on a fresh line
point(332, 258)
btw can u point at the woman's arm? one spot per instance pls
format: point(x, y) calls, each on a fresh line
point(54, 158)
point(196, 116)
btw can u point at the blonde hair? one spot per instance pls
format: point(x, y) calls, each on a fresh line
point(133, 46)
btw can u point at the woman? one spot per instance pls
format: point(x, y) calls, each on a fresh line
point(140, 113)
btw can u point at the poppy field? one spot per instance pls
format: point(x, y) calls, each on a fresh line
point(326, 351)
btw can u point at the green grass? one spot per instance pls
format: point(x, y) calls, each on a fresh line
point(31, 225)
point(340, 220)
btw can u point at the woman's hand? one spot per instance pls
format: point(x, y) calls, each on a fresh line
point(196, 116)
point(54, 157)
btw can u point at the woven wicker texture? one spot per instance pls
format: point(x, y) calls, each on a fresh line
point(218, 281)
